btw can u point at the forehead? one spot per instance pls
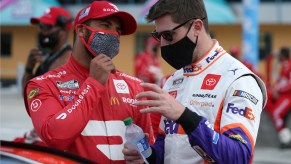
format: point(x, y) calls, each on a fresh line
point(112, 19)
point(164, 23)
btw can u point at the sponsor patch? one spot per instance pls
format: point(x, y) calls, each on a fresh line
point(129, 101)
point(79, 100)
point(48, 76)
point(62, 116)
point(66, 98)
point(33, 93)
point(130, 77)
point(217, 51)
point(177, 82)
point(234, 70)
point(84, 13)
point(201, 103)
point(192, 68)
point(215, 137)
point(121, 86)
point(205, 95)
point(72, 84)
point(35, 105)
point(238, 137)
point(240, 93)
point(114, 101)
point(171, 127)
point(210, 81)
point(245, 112)
point(203, 154)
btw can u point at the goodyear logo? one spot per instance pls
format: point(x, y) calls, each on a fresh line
point(114, 101)
point(32, 93)
point(238, 137)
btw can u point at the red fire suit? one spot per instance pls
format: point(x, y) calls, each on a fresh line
point(143, 61)
point(74, 112)
point(279, 108)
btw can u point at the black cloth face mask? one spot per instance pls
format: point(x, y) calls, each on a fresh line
point(179, 54)
point(49, 40)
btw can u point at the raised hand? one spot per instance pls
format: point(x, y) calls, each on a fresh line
point(100, 68)
point(159, 101)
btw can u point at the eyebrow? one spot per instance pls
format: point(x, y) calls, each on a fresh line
point(118, 29)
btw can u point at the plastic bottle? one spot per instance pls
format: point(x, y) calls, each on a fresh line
point(135, 137)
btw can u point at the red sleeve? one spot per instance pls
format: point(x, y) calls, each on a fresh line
point(58, 126)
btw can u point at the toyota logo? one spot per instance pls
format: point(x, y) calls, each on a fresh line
point(210, 82)
point(121, 86)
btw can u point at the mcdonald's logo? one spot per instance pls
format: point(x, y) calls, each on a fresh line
point(114, 101)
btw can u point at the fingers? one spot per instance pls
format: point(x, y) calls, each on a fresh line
point(151, 110)
point(152, 87)
point(149, 94)
point(131, 155)
point(149, 103)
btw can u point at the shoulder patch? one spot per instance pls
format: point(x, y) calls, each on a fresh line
point(32, 93)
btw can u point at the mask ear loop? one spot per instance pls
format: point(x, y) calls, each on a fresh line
point(89, 40)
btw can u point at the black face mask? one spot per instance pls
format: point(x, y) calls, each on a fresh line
point(155, 49)
point(179, 54)
point(50, 40)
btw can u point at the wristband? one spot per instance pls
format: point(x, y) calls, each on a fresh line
point(28, 70)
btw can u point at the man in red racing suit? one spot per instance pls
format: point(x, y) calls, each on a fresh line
point(279, 103)
point(80, 106)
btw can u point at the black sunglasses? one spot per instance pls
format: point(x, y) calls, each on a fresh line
point(45, 27)
point(168, 34)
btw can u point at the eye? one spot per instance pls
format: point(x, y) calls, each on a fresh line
point(168, 35)
point(106, 25)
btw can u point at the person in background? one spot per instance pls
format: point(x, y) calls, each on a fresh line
point(52, 50)
point(211, 106)
point(147, 63)
point(279, 102)
point(80, 106)
point(236, 53)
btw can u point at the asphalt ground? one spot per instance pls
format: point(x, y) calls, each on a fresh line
point(14, 121)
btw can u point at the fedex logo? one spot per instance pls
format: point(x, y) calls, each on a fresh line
point(192, 68)
point(246, 112)
point(209, 59)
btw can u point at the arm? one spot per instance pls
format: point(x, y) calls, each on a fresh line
point(56, 124)
point(33, 59)
point(234, 134)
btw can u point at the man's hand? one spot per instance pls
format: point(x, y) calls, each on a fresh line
point(159, 101)
point(100, 68)
point(131, 156)
point(33, 58)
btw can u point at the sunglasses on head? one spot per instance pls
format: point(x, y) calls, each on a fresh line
point(168, 34)
point(45, 27)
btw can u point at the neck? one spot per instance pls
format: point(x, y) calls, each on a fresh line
point(205, 43)
point(79, 54)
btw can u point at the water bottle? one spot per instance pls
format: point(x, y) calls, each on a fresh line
point(136, 138)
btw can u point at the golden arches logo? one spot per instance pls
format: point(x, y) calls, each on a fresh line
point(114, 101)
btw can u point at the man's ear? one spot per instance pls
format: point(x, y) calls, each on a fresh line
point(80, 30)
point(198, 25)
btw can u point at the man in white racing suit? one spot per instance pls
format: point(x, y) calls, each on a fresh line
point(211, 105)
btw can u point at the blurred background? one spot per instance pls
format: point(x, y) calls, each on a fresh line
point(258, 28)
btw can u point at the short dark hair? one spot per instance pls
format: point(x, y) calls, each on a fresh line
point(179, 10)
point(285, 52)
